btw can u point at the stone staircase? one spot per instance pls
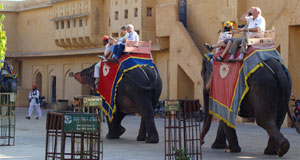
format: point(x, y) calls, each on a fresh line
point(185, 60)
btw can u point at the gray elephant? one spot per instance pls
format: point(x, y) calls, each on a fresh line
point(138, 92)
point(267, 101)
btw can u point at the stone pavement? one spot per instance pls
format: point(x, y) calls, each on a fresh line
point(30, 142)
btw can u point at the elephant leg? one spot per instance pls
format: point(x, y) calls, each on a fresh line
point(277, 143)
point(271, 121)
point(142, 131)
point(220, 142)
point(284, 144)
point(115, 127)
point(148, 116)
point(270, 149)
point(151, 130)
point(233, 145)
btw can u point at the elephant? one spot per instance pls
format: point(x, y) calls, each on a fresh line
point(267, 101)
point(138, 92)
point(8, 84)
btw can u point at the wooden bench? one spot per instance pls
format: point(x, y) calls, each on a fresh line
point(262, 39)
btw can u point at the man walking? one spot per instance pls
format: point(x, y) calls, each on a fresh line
point(34, 102)
point(256, 25)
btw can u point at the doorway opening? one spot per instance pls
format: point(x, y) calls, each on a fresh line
point(53, 89)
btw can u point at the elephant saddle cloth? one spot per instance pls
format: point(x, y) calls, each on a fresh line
point(229, 82)
point(7, 71)
point(111, 75)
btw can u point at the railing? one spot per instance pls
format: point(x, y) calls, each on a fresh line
point(7, 119)
point(73, 136)
point(182, 130)
point(261, 38)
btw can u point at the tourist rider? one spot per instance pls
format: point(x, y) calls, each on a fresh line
point(225, 40)
point(132, 36)
point(256, 25)
point(34, 101)
point(119, 45)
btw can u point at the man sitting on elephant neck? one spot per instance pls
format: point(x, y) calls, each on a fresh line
point(107, 53)
point(256, 25)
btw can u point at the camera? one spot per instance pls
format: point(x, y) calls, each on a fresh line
point(250, 14)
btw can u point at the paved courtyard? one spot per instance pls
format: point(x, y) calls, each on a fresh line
point(30, 142)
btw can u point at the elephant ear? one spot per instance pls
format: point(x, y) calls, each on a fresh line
point(86, 77)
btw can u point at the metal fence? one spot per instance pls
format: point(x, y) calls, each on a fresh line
point(182, 130)
point(90, 104)
point(87, 103)
point(73, 136)
point(7, 119)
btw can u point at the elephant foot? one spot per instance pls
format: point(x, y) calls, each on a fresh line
point(270, 150)
point(141, 137)
point(216, 145)
point(152, 139)
point(121, 130)
point(284, 146)
point(202, 141)
point(112, 136)
point(116, 134)
point(233, 149)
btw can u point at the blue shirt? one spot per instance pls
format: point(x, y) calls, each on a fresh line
point(111, 48)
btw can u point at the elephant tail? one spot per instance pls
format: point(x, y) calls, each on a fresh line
point(152, 81)
point(285, 83)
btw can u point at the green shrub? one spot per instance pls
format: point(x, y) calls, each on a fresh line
point(183, 154)
point(2, 39)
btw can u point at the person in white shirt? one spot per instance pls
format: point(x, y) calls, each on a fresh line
point(256, 25)
point(34, 101)
point(132, 35)
point(107, 54)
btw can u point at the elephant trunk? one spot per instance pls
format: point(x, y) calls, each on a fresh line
point(207, 117)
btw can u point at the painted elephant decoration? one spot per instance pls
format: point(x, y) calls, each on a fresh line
point(8, 80)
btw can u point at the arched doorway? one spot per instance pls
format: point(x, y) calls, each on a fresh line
point(38, 82)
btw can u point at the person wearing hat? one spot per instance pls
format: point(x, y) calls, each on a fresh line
point(34, 102)
point(108, 43)
point(225, 40)
point(120, 45)
point(105, 41)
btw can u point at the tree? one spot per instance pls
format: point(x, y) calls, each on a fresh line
point(2, 39)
